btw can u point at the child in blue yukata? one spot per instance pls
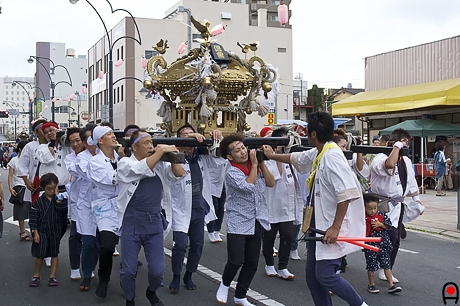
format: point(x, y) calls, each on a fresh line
point(45, 225)
point(377, 225)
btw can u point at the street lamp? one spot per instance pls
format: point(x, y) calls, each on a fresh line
point(111, 45)
point(14, 83)
point(144, 92)
point(52, 84)
point(13, 105)
point(73, 114)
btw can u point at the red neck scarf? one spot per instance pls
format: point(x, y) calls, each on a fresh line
point(369, 220)
point(242, 168)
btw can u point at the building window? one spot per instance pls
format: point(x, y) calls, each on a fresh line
point(273, 17)
point(275, 2)
point(261, 1)
point(23, 99)
point(6, 86)
point(118, 54)
point(6, 91)
point(150, 53)
point(195, 36)
point(18, 92)
point(122, 92)
point(282, 50)
point(17, 98)
point(121, 53)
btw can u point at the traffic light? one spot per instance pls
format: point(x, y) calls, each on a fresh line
point(3, 114)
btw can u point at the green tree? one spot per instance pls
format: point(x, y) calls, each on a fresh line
point(318, 97)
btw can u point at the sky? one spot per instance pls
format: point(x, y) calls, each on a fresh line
point(331, 38)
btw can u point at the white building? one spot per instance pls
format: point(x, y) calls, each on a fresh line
point(15, 98)
point(66, 113)
point(130, 107)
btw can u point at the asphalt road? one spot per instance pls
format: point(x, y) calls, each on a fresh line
point(423, 266)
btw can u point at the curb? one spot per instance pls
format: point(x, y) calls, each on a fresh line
point(435, 231)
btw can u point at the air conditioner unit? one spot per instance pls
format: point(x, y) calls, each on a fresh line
point(427, 116)
point(225, 15)
point(70, 52)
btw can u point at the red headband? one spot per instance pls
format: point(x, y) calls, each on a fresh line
point(48, 124)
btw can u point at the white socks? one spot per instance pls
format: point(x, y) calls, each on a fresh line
point(222, 293)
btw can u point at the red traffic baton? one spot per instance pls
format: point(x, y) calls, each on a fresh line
point(363, 239)
point(358, 241)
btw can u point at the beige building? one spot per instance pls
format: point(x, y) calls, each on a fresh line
point(419, 82)
point(129, 106)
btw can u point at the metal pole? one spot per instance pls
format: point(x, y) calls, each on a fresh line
point(15, 117)
point(52, 102)
point(287, 107)
point(276, 109)
point(189, 22)
point(31, 115)
point(110, 87)
point(78, 112)
point(458, 208)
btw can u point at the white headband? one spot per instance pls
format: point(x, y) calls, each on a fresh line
point(99, 132)
point(90, 141)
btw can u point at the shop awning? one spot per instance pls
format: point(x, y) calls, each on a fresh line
point(427, 96)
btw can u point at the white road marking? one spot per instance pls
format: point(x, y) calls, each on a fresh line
point(265, 300)
point(407, 251)
point(10, 220)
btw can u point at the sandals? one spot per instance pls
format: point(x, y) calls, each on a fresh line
point(53, 282)
point(34, 282)
point(440, 194)
point(25, 237)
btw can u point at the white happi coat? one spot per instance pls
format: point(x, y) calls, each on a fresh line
point(86, 219)
point(181, 196)
point(386, 182)
point(131, 171)
point(284, 200)
point(54, 164)
point(27, 165)
point(217, 176)
point(364, 172)
point(104, 204)
point(70, 161)
point(334, 183)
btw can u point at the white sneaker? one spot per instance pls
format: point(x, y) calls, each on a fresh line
point(48, 261)
point(285, 274)
point(364, 304)
point(211, 237)
point(217, 237)
point(270, 271)
point(383, 277)
point(242, 302)
point(92, 275)
point(116, 253)
point(75, 274)
point(275, 252)
point(222, 294)
point(294, 255)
